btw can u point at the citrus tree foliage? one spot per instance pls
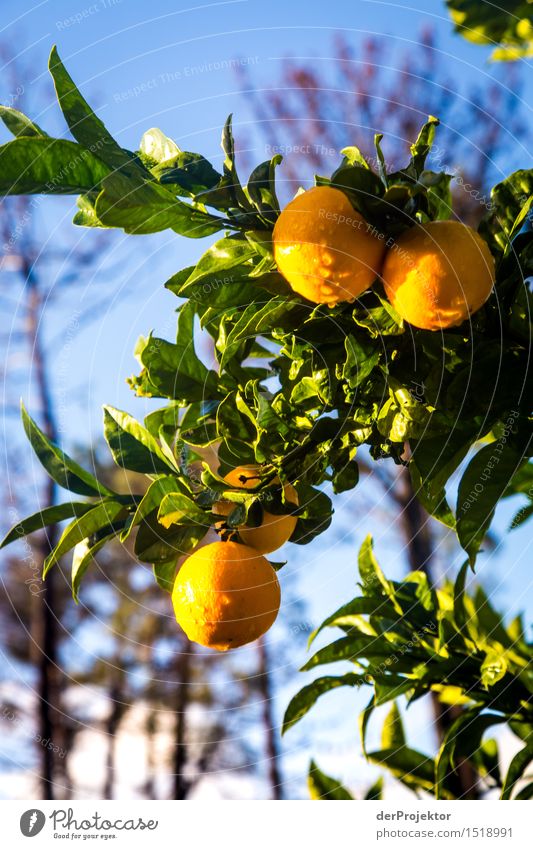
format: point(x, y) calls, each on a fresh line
point(297, 388)
point(407, 639)
point(508, 24)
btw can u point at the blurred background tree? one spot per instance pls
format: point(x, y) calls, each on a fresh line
point(318, 106)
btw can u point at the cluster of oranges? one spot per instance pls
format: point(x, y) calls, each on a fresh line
point(435, 275)
point(227, 594)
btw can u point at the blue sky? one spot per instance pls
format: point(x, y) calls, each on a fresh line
point(166, 64)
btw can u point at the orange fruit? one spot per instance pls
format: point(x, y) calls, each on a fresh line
point(436, 275)
point(325, 249)
point(225, 595)
point(274, 531)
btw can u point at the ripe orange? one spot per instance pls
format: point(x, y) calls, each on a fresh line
point(274, 531)
point(325, 249)
point(225, 595)
point(436, 275)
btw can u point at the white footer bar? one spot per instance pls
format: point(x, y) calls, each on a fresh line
point(266, 825)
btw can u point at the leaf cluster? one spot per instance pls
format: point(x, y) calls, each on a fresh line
point(508, 25)
point(406, 639)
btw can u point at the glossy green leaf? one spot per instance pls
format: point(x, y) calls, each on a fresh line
point(375, 792)
point(178, 509)
point(516, 769)
point(61, 468)
point(85, 126)
point(321, 786)
point(423, 144)
point(151, 500)
point(44, 518)
point(18, 124)
point(304, 700)
point(392, 733)
point(155, 544)
point(508, 23)
point(165, 574)
point(174, 370)
point(85, 552)
point(482, 485)
point(32, 165)
point(261, 189)
point(373, 581)
point(101, 516)
point(150, 208)
point(131, 445)
point(412, 768)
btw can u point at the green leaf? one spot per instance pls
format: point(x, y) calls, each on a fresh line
point(321, 786)
point(422, 146)
point(461, 741)
point(412, 768)
point(459, 609)
point(508, 23)
point(240, 199)
point(86, 127)
point(314, 516)
point(382, 165)
point(517, 767)
point(101, 516)
point(165, 574)
point(361, 186)
point(349, 614)
point(261, 189)
point(353, 156)
point(85, 552)
point(525, 793)
point(346, 477)
point(375, 792)
point(32, 165)
point(178, 509)
point(509, 201)
point(304, 700)
point(482, 485)
point(86, 215)
point(221, 277)
point(190, 174)
point(350, 648)
point(131, 445)
point(493, 668)
point(392, 733)
point(373, 581)
point(364, 719)
point(175, 370)
point(255, 320)
point(150, 208)
point(156, 544)
point(18, 124)
point(432, 463)
point(361, 359)
point(61, 468)
point(151, 500)
point(44, 518)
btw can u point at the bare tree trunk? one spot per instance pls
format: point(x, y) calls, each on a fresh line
point(113, 720)
point(420, 553)
point(182, 785)
point(271, 735)
point(150, 730)
point(46, 625)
